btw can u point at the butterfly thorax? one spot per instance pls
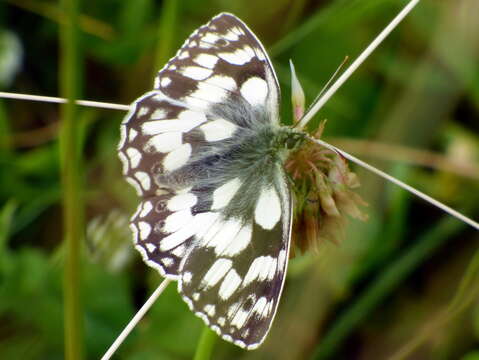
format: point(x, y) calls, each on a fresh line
point(241, 156)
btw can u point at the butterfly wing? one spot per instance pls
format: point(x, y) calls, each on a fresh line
point(216, 209)
point(234, 277)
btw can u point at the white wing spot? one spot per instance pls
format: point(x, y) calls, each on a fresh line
point(223, 195)
point(239, 57)
point(158, 114)
point(132, 135)
point(150, 247)
point(210, 37)
point(196, 72)
point(183, 55)
point(144, 180)
point(238, 243)
point(237, 30)
point(268, 209)
point(143, 111)
point(210, 309)
point(175, 239)
point(199, 223)
point(182, 201)
point(165, 81)
point(177, 158)
point(145, 230)
point(260, 54)
point(165, 142)
point(229, 285)
point(211, 222)
point(224, 82)
point(255, 91)
point(249, 50)
point(204, 45)
point(260, 306)
point(218, 233)
point(177, 220)
point(167, 261)
point(134, 155)
point(259, 269)
point(147, 207)
point(206, 93)
point(186, 121)
point(230, 35)
point(206, 60)
point(281, 260)
point(272, 269)
point(196, 296)
point(217, 130)
point(232, 309)
point(240, 318)
point(187, 276)
point(221, 321)
point(179, 251)
point(216, 272)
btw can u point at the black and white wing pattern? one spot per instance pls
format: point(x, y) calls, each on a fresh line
point(204, 152)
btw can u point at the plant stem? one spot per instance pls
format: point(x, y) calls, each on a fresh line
point(205, 345)
point(393, 180)
point(70, 174)
point(59, 100)
point(135, 320)
point(353, 67)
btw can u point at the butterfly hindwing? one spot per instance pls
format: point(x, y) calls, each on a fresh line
point(234, 276)
point(201, 151)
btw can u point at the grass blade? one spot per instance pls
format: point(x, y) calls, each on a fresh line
point(70, 174)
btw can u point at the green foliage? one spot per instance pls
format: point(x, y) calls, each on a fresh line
point(369, 297)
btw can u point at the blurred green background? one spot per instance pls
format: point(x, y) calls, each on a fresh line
point(404, 284)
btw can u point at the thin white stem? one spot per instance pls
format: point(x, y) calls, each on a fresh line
point(405, 186)
point(134, 321)
point(352, 68)
point(58, 100)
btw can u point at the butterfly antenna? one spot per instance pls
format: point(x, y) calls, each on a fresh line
point(399, 183)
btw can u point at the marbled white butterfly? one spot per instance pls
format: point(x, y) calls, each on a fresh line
point(205, 151)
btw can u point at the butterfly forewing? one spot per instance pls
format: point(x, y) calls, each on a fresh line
point(222, 60)
point(201, 151)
